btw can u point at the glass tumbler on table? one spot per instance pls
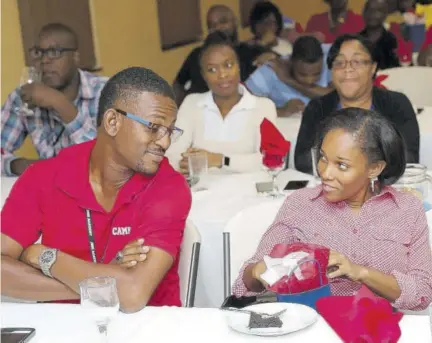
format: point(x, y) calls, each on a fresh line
point(100, 301)
point(274, 164)
point(198, 167)
point(29, 75)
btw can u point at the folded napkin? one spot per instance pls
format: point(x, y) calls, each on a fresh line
point(296, 268)
point(361, 318)
point(378, 82)
point(274, 147)
point(404, 51)
point(277, 268)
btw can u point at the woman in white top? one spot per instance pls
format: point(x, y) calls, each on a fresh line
point(224, 122)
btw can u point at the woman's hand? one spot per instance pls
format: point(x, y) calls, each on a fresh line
point(131, 254)
point(264, 58)
point(257, 270)
point(344, 267)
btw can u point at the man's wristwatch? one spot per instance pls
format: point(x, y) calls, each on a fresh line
point(46, 260)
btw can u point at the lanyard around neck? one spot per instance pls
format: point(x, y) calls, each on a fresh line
point(91, 236)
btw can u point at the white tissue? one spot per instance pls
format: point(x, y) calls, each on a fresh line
point(277, 268)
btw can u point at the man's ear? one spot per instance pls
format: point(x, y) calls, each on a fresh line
point(112, 122)
point(376, 169)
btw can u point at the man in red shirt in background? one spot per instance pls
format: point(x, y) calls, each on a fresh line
point(94, 198)
point(337, 21)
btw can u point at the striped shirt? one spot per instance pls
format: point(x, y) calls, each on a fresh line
point(389, 234)
point(47, 130)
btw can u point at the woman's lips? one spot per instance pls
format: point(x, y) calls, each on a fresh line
point(226, 84)
point(328, 188)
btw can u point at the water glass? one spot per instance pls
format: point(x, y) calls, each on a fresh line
point(198, 166)
point(29, 75)
point(100, 301)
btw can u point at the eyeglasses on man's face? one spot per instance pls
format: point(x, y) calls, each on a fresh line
point(52, 53)
point(158, 131)
point(340, 64)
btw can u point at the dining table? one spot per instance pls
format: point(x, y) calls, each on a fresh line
point(69, 323)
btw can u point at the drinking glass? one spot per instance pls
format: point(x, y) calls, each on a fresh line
point(29, 75)
point(274, 164)
point(198, 167)
point(314, 157)
point(100, 300)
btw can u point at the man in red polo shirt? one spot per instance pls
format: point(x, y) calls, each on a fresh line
point(94, 198)
point(336, 22)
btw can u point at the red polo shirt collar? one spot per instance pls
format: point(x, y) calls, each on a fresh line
point(75, 181)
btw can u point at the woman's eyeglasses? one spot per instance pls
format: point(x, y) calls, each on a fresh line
point(158, 131)
point(355, 64)
point(37, 53)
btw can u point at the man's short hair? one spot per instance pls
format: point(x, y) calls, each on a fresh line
point(60, 28)
point(127, 84)
point(307, 49)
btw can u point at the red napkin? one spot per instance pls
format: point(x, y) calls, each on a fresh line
point(361, 318)
point(404, 51)
point(310, 270)
point(274, 147)
point(379, 79)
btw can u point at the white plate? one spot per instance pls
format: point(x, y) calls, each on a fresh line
point(296, 317)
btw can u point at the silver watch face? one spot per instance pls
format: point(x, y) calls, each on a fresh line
point(47, 256)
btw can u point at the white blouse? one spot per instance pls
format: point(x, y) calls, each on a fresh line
point(236, 136)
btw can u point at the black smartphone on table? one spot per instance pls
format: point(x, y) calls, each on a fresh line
point(294, 185)
point(17, 335)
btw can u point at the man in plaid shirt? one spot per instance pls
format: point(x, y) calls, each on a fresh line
point(56, 113)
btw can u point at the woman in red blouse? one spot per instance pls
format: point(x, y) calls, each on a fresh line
point(377, 236)
point(337, 21)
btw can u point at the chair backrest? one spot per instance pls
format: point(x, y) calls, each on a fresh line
point(188, 263)
point(414, 82)
point(242, 235)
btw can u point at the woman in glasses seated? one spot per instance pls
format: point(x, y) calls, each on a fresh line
point(223, 123)
point(377, 236)
point(353, 67)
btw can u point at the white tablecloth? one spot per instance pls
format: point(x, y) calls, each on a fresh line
point(226, 196)
point(69, 323)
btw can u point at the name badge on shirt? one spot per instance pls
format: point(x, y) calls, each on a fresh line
point(121, 231)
